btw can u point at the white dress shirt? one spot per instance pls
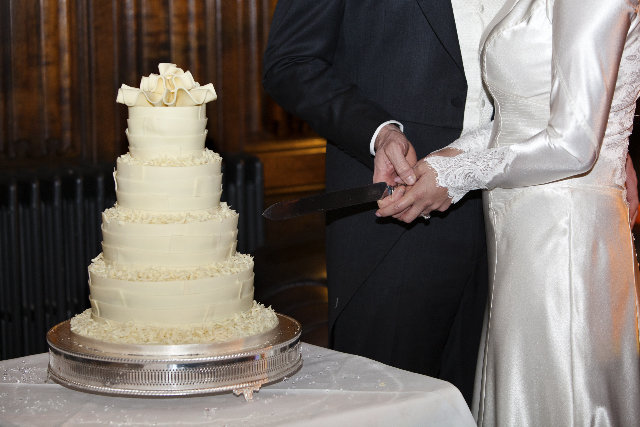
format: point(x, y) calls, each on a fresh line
point(472, 18)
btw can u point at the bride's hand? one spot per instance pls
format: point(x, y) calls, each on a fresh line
point(419, 199)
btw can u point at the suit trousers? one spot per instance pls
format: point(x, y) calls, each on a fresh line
point(421, 308)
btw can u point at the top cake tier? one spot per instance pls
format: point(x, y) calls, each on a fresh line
point(168, 168)
point(156, 133)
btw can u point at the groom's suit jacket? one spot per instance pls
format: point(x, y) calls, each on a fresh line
point(345, 67)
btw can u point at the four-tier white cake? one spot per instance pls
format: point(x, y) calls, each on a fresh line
point(169, 272)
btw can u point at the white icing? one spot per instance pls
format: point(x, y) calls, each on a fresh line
point(204, 157)
point(124, 214)
point(181, 243)
point(168, 250)
point(237, 264)
point(145, 148)
point(160, 126)
point(197, 112)
point(162, 202)
point(165, 295)
point(158, 310)
point(256, 320)
point(169, 271)
point(181, 185)
point(166, 132)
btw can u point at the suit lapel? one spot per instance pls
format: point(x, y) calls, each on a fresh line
point(439, 14)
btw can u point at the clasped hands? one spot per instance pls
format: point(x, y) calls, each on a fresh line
point(417, 192)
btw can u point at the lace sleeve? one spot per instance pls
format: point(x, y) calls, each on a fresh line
point(474, 140)
point(469, 171)
point(588, 38)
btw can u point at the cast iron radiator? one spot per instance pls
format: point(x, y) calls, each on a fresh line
point(50, 230)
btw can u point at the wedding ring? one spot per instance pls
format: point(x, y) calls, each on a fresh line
point(425, 217)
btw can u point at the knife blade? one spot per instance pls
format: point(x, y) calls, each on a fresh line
point(327, 201)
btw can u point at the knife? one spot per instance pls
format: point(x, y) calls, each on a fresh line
point(327, 201)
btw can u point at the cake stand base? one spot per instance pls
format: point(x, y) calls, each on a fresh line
point(241, 366)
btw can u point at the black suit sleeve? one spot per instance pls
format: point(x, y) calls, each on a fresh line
point(299, 74)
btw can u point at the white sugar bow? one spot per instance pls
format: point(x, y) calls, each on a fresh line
point(171, 88)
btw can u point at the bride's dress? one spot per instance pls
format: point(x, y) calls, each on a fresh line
point(561, 344)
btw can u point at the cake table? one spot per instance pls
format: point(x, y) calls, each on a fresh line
point(330, 389)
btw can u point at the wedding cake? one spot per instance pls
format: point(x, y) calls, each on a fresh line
point(169, 272)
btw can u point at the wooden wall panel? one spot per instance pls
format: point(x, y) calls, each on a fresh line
point(293, 166)
point(63, 61)
point(37, 122)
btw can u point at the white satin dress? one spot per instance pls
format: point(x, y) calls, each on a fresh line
point(561, 344)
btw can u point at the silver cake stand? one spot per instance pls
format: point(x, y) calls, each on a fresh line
point(241, 366)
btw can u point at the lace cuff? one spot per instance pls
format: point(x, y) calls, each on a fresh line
point(475, 140)
point(469, 171)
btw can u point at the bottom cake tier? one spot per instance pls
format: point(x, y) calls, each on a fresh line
point(171, 296)
point(257, 320)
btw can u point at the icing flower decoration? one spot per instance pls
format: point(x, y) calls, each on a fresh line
point(171, 88)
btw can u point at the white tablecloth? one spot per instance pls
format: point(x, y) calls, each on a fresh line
point(331, 389)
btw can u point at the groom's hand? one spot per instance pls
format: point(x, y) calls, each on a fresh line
point(395, 157)
point(419, 200)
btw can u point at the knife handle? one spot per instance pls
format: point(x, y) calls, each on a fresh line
point(390, 189)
